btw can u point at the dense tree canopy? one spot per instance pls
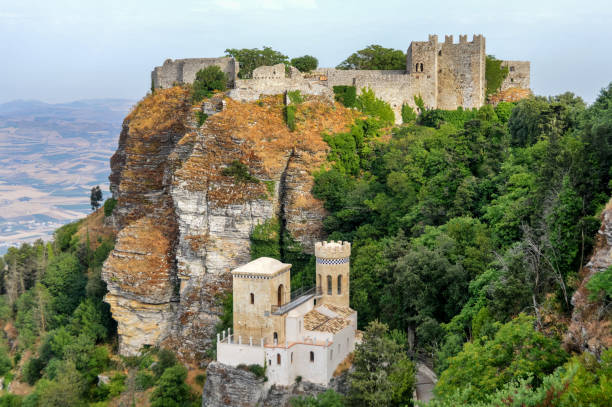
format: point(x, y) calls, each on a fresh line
point(250, 59)
point(375, 57)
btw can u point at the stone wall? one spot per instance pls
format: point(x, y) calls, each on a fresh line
point(184, 70)
point(445, 74)
point(519, 73)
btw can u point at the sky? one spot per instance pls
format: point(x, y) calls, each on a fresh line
point(63, 50)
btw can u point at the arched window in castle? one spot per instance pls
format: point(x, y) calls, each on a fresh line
point(416, 67)
point(278, 359)
point(252, 298)
point(511, 69)
point(311, 356)
point(329, 285)
point(421, 66)
point(440, 53)
point(319, 282)
point(339, 284)
point(275, 337)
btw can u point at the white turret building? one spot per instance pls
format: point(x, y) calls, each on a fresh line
point(306, 333)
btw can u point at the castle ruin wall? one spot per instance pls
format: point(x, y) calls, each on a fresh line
point(181, 71)
point(518, 75)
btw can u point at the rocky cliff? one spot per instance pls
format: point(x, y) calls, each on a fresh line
point(188, 198)
point(229, 386)
point(591, 329)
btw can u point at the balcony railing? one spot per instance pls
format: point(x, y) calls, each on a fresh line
point(297, 297)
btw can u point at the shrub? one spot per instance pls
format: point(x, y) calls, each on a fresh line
point(10, 400)
point(369, 104)
point(240, 172)
point(165, 360)
point(109, 206)
point(305, 63)
point(290, 116)
point(32, 370)
point(116, 385)
point(201, 117)
point(494, 74)
point(346, 95)
point(257, 370)
point(408, 113)
point(208, 80)
point(600, 285)
point(295, 96)
point(144, 380)
point(171, 389)
point(200, 379)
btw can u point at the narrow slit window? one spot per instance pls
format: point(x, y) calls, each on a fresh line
point(278, 359)
point(329, 285)
point(252, 298)
point(312, 356)
point(339, 285)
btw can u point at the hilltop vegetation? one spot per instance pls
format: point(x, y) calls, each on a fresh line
point(469, 229)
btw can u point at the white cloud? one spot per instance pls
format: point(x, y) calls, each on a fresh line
point(228, 4)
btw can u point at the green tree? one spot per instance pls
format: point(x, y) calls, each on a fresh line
point(208, 80)
point(517, 351)
point(171, 389)
point(66, 285)
point(250, 59)
point(305, 63)
point(383, 375)
point(375, 57)
point(95, 197)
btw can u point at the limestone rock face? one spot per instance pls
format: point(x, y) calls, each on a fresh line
point(185, 221)
point(589, 329)
point(229, 386)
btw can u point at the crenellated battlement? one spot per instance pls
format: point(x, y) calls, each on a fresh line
point(446, 75)
point(332, 250)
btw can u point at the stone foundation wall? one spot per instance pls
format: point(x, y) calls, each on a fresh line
point(181, 71)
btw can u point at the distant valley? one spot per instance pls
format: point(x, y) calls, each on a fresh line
point(50, 157)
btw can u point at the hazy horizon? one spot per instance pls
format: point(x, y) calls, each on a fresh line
point(66, 50)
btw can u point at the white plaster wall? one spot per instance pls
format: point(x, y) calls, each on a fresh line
point(285, 373)
point(233, 354)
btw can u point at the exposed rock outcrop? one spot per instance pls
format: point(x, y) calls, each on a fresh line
point(229, 386)
point(591, 330)
point(185, 222)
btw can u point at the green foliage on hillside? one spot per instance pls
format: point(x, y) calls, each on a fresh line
point(250, 59)
point(208, 80)
point(305, 63)
point(383, 375)
point(375, 57)
point(109, 206)
point(494, 74)
point(463, 220)
point(239, 171)
point(347, 95)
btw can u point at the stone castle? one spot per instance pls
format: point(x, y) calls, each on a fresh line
point(446, 75)
point(305, 333)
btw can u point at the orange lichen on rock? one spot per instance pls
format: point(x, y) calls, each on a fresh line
point(509, 95)
point(140, 263)
point(164, 110)
point(256, 134)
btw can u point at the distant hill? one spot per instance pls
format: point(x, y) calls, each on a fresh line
point(50, 157)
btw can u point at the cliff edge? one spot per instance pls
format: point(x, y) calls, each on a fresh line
point(188, 198)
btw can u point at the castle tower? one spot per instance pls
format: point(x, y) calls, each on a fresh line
point(333, 265)
point(260, 288)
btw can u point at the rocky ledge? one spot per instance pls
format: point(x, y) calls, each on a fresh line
point(185, 221)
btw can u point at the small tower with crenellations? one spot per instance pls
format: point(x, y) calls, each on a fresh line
point(333, 265)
